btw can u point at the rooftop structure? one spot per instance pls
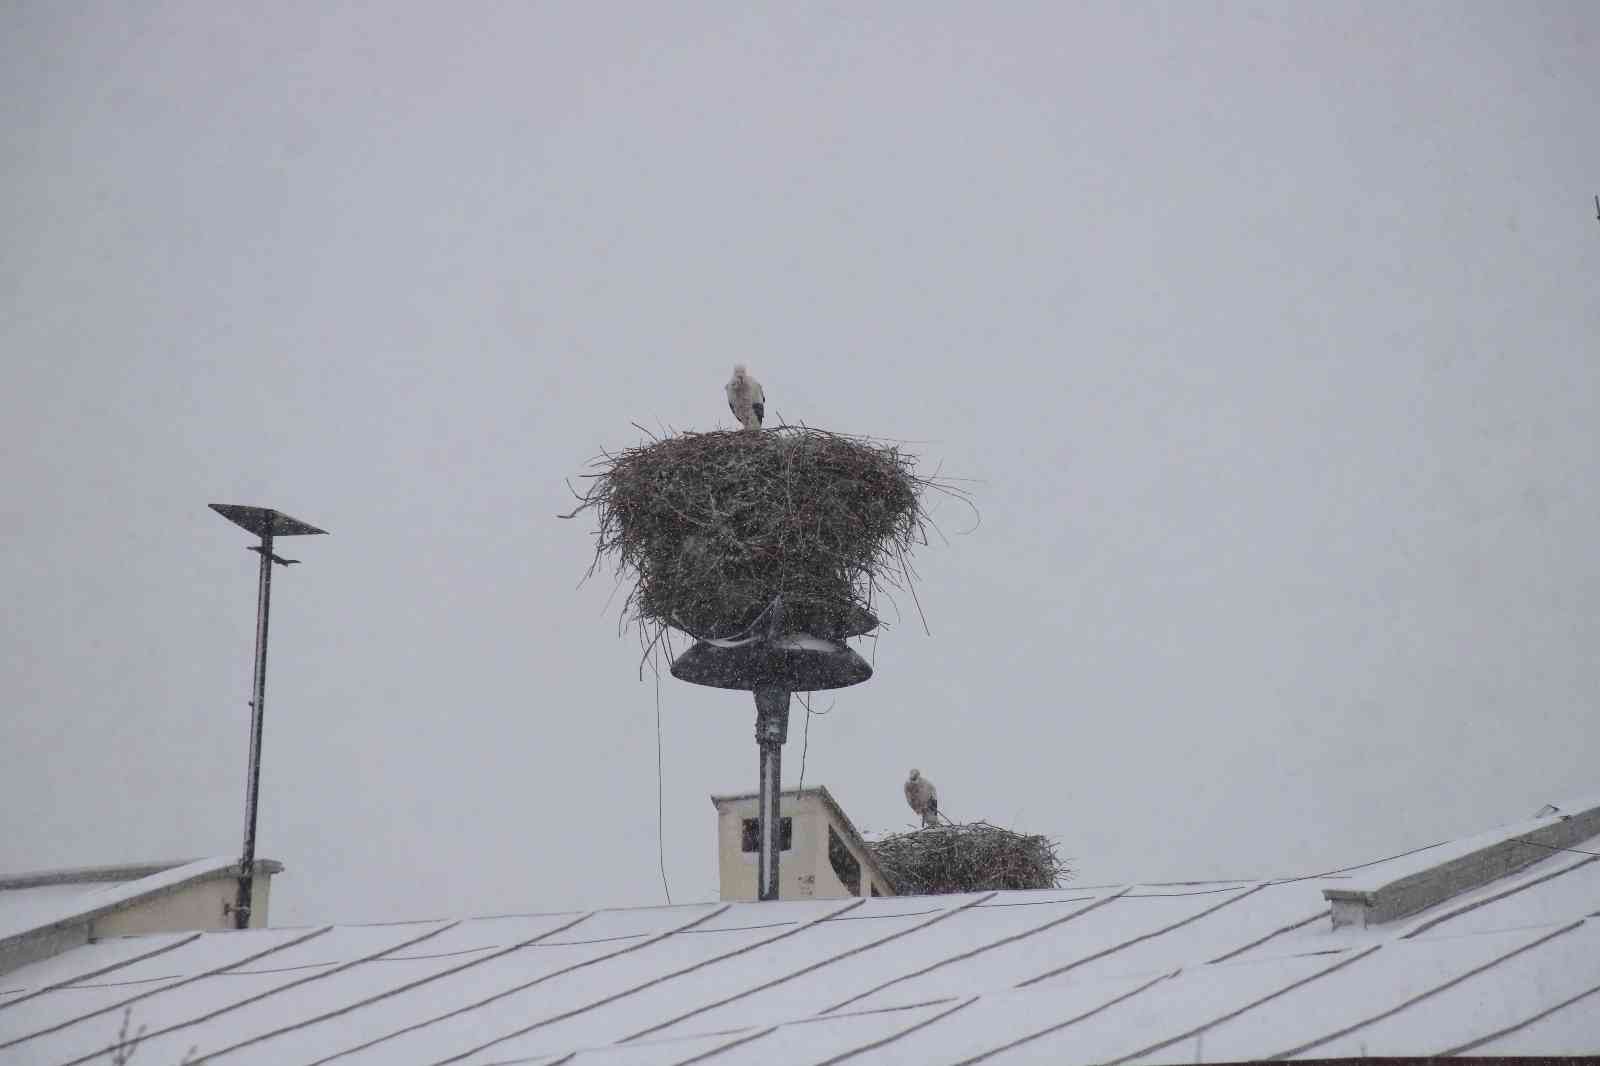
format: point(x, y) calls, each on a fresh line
point(45, 913)
point(1496, 961)
point(824, 857)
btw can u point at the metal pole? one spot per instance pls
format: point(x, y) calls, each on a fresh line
point(241, 910)
point(772, 729)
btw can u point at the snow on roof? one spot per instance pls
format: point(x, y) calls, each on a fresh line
point(1434, 874)
point(35, 905)
point(1223, 970)
point(31, 899)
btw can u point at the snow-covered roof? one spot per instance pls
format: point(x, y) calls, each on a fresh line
point(1405, 886)
point(37, 906)
point(1147, 973)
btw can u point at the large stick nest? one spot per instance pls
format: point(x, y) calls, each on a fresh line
point(975, 857)
point(712, 527)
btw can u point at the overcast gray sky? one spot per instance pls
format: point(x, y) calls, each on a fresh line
point(1268, 332)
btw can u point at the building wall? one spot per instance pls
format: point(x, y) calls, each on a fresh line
point(192, 904)
point(804, 871)
point(738, 869)
point(199, 906)
point(826, 877)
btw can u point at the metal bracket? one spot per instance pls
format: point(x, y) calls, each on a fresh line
point(280, 560)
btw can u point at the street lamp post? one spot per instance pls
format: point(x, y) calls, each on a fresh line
point(266, 524)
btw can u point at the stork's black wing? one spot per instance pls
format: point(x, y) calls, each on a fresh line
point(761, 412)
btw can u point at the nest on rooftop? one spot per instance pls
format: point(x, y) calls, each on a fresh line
point(712, 527)
point(971, 857)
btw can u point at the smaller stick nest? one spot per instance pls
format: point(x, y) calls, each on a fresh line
point(974, 857)
point(714, 526)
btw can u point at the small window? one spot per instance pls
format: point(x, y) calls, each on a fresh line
point(844, 864)
point(752, 834)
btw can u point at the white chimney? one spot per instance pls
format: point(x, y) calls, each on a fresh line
point(823, 857)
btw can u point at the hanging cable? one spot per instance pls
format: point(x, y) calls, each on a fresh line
point(805, 745)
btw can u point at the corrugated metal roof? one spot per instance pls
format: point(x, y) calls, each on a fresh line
point(1130, 973)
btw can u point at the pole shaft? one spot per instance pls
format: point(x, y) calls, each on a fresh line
point(772, 729)
point(771, 823)
point(258, 703)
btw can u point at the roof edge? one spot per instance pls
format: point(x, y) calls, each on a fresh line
point(73, 875)
point(97, 903)
point(1474, 862)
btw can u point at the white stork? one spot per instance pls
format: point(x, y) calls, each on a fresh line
point(923, 797)
point(745, 398)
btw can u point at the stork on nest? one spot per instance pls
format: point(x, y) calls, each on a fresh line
point(922, 797)
point(746, 399)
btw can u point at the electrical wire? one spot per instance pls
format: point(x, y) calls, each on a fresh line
point(805, 746)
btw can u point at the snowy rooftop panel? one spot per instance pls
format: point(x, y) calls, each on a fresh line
point(42, 914)
point(1390, 891)
point(33, 899)
point(1139, 973)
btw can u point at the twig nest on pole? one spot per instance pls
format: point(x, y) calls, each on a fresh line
point(714, 526)
point(975, 857)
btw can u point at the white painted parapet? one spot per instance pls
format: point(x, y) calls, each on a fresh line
point(1460, 866)
point(94, 902)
